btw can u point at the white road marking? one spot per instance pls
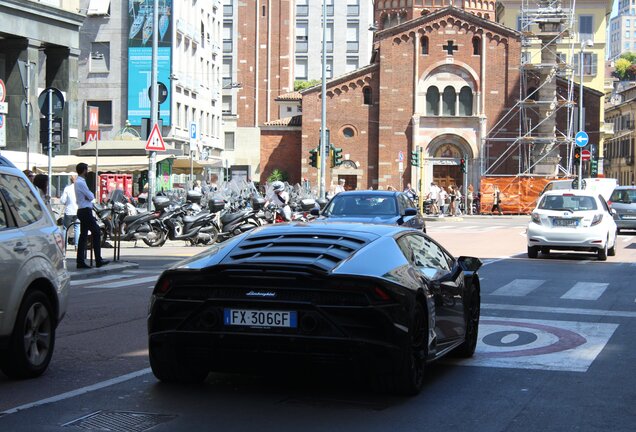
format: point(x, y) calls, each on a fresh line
point(95, 280)
point(77, 392)
point(585, 291)
point(559, 310)
point(128, 282)
point(518, 287)
point(628, 239)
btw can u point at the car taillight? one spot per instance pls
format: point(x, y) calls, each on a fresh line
point(597, 219)
point(380, 295)
point(609, 203)
point(163, 287)
point(536, 218)
point(59, 240)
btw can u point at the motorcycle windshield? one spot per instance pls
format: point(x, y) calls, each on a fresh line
point(117, 195)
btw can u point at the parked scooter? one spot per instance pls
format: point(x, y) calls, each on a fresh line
point(198, 228)
point(144, 226)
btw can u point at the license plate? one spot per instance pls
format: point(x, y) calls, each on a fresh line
point(565, 222)
point(259, 318)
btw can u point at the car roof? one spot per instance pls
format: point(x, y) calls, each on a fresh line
point(582, 192)
point(369, 193)
point(326, 227)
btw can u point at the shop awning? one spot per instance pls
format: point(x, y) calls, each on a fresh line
point(181, 165)
point(65, 165)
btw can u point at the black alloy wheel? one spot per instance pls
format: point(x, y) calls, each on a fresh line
point(33, 338)
point(472, 312)
point(156, 237)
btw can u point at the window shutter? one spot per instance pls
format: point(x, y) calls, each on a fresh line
point(594, 64)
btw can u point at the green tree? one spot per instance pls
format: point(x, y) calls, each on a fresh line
point(629, 56)
point(620, 67)
point(277, 175)
point(302, 85)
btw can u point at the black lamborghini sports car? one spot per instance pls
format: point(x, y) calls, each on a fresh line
point(382, 298)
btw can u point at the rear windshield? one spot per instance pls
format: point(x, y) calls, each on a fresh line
point(625, 196)
point(568, 202)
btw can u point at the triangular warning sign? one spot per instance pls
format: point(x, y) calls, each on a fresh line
point(155, 140)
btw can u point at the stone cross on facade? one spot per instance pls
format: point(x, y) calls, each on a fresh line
point(449, 48)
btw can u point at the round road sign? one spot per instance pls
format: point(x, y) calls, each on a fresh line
point(585, 155)
point(162, 95)
point(58, 101)
point(3, 91)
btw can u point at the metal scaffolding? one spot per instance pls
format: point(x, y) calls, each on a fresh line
point(528, 138)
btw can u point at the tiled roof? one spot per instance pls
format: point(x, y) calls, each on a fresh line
point(292, 96)
point(287, 121)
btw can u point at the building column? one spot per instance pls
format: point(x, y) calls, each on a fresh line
point(456, 103)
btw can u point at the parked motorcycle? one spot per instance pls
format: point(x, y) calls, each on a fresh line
point(143, 226)
point(183, 224)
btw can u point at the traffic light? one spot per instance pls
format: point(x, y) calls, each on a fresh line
point(415, 158)
point(56, 136)
point(336, 156)
point(577, 155)
point(462, 165)
point(594, 167)
point(313, 158)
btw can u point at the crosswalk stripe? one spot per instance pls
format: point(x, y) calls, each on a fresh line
point(518, 287)
point(128, 282)
point(95, 280)
point(585, 291)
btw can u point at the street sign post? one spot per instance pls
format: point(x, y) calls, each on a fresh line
point(581, 139)
point(193, 143)
point(155, 140)
point(585, 155)
point(51, 103)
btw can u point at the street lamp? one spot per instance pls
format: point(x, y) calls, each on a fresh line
point(587, 43)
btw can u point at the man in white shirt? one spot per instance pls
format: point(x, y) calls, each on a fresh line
point(70, 211)
point(88, 223)
point(340, 187)
point(433, 195)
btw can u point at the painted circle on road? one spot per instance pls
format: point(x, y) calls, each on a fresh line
point(521, 339)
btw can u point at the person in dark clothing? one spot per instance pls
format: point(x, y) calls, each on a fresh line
point(496, 201)
point(87, 221)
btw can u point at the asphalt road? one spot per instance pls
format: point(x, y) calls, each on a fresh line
point(555, 354)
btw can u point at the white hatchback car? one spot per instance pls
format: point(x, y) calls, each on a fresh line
point(34, 281)
point(572, 220)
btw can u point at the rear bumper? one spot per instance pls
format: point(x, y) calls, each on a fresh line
point(566, 238)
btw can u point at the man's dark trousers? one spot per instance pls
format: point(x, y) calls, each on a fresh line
point(88, 223)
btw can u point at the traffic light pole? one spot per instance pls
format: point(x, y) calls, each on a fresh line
point(50, 146)
point(420, 159)
point(581, 125)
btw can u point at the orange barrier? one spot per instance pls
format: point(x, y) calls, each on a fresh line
point(518, 194)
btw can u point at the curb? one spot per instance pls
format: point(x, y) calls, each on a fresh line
point(112, 267)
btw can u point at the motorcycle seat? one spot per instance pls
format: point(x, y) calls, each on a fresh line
point(132, 218)
point(196, 217)
point(231, 217)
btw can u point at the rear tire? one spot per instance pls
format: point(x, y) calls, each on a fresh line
point(612, 251)
point(169, 369)
point(533, 251)
point(602, 253)
point(33, 338)
point(158, 237)
point(408, 376)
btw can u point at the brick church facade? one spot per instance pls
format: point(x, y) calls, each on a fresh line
point(440, 80)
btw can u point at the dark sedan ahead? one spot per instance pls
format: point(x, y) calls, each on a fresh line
point(383, 299)
point(372, 206)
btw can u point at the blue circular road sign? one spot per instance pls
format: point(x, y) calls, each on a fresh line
point(581, 138)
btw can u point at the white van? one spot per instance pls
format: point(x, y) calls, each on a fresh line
point(602, 186)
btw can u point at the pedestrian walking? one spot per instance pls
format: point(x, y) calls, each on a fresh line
point(70, 211)
point(441, 200)
point(340, 187)
point(410, 192)
point(458, 201)
point(433, 195)
point(452, 194)
point(30, 174)
point(88, 223)
point(41, 183)
point(496, 201)
point(470, 198)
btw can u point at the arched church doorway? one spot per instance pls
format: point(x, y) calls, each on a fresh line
point(446, 169)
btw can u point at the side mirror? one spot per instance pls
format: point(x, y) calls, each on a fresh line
point(314, 212)
point(410, 212)
point(471, 264)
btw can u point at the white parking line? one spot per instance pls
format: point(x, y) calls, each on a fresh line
point(518, 287)
point(77, 392)
point(627, 239)
point(127, 282)
point(559, 310)
point(100, 279)
point(585, 291)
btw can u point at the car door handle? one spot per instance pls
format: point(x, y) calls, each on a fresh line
point(19, 247)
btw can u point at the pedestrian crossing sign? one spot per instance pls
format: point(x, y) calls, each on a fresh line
point(155, 140)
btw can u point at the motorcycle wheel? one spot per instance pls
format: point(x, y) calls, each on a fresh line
point(178, 227)
point(156, 237)
point(214, 236)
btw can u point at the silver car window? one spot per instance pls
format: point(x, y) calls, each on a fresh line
point(22, 201)
point(427, 256)
point(3, 217)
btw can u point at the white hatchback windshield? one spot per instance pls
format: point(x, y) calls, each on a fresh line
point(359, 205)
point(568, 202)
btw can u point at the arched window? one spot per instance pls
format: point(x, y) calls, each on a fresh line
point(448, 101)
point(476, 46)
point(424, 44)
point(386, 22)
point(432, 101)
point(367, 94)
point(465, 101)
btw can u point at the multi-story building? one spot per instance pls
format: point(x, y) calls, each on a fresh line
point(622, 30)
point(257, 67)
point(116, 46)
point(39, 48)
point(586, 38)
point(348, 42)
point(621, 148)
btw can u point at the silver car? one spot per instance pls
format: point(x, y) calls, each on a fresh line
point(623, 201)
point(34, 281)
